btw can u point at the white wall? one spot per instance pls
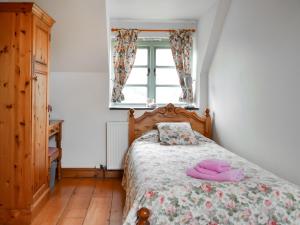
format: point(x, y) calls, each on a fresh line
point(158, 9)
point(81, 99)
point(254, 84)
point(204, 28)
point(210, 28)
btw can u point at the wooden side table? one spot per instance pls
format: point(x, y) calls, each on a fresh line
point(55, 153)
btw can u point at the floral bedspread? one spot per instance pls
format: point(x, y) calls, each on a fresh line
point(155, 178)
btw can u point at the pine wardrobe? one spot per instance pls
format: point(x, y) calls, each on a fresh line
point(24, 71)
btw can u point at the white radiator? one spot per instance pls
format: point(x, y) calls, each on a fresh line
point(117, 144)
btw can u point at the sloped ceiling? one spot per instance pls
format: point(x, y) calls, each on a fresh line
point(79, 36)
point(79, 40)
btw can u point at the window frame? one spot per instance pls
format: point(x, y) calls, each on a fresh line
point(152, 46)
point(163, 67)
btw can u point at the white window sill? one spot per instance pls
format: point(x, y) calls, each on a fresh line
point(144, 106)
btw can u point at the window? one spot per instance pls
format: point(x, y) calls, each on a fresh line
point(167, 87)
point(136, 88)
point(153, 75)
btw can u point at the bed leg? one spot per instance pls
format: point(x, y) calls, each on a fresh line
point(143, 216)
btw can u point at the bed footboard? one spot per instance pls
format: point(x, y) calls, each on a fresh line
point(143, 215)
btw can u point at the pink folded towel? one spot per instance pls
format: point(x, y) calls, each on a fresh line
point(233, 175)
point(205, 171)
point(215, 165)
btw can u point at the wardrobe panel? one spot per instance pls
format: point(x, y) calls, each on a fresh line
point(15, 109)
point(41, 41)
point(40, 137)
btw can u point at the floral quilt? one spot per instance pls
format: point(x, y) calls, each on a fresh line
point(154, 177)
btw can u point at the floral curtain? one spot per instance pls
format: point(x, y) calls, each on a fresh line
point(123, 60)
point(181, 46)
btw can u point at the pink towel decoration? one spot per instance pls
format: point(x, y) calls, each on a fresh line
point(205, 171)
point(233, 175)
point(215, 165)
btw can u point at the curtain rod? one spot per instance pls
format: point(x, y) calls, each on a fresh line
point(150, 30)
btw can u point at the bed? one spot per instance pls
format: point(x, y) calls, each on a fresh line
point(159, 192)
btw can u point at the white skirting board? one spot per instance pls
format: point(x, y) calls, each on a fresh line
point(117, 144)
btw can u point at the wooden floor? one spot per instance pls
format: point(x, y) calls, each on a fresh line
point(84, 202)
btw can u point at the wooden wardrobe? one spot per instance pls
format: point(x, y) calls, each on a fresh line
point(24, 71)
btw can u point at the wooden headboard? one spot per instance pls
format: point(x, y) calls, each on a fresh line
point(169, 113)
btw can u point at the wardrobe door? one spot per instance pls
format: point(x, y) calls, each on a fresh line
point(40, 139)
point(41, 35)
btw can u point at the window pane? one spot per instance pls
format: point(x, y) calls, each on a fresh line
point(138, 76)
point(168, 94)
point(164, 57)
point(141, 58)
point(135, 94)
point(166, 76)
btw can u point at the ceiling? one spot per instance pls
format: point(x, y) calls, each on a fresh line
point(158, 9)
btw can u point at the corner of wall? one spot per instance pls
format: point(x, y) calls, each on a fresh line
point(210, 28)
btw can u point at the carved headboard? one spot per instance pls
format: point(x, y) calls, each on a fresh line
point(169, 113)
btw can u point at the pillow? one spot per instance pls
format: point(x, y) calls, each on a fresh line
point(179, 133)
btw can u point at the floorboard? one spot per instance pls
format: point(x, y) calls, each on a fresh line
point(84, 201)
